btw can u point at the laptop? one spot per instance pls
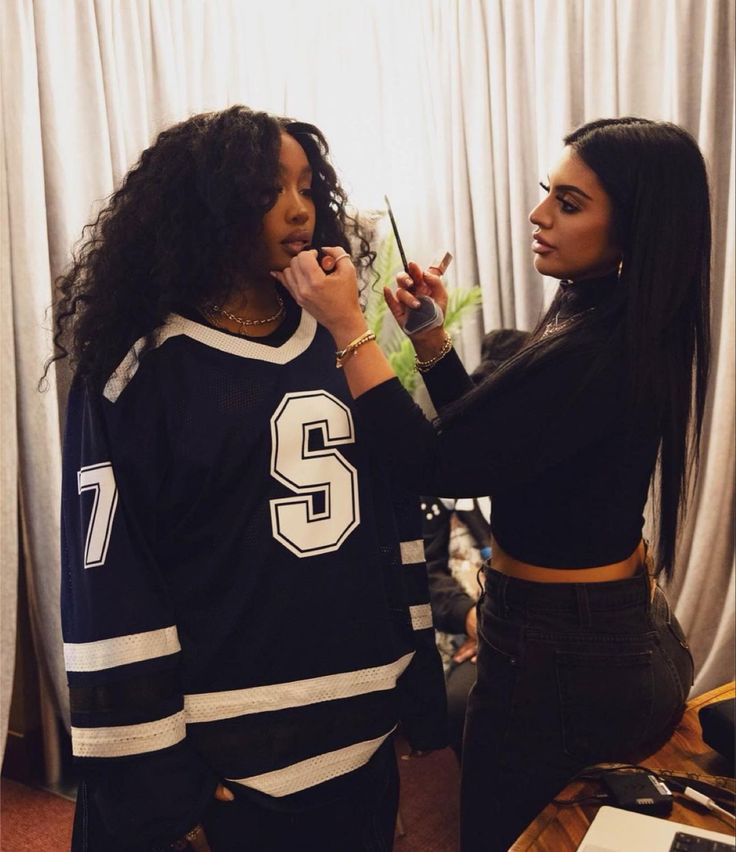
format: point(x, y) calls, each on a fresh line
point(617, 830)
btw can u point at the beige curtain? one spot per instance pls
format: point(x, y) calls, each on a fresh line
point(455, 108)
point(30, 425)
point(8, 458)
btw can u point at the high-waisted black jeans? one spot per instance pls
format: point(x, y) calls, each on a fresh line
point(568, 675)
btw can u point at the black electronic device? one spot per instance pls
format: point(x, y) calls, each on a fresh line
point(718, 721)
point(638, 791)
point(685, 842)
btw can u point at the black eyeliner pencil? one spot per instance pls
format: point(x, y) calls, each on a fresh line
point(396, 234)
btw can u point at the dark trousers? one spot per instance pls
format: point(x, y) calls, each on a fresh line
point(361, 819)
point(569, 675)
point(364, 822)
point(459, 681)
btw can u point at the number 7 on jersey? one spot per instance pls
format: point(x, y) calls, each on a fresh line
point(100, 479)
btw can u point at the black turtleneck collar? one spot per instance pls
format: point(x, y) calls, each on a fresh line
point(577, 296)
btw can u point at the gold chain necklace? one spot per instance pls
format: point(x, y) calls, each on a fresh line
point(245, 321)
point(555, 325)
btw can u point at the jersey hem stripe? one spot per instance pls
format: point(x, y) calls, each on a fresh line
point(314, 770)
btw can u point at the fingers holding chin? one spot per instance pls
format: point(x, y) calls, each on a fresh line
point(288, 280)
point(305, 259)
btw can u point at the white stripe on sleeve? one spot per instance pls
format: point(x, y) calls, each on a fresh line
point(412, 552)
point(421, 616)
point(120, 650)
point(125, 740)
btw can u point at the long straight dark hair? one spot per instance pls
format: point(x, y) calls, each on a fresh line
point(656, 179)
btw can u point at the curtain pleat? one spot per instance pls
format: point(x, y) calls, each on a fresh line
point(8, 442)
point(36, 420)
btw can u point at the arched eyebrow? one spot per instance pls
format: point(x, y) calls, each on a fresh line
point(568, 187)
point(306, 172)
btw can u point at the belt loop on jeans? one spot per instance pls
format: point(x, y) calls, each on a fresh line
point(504, 602)
point(581, 593)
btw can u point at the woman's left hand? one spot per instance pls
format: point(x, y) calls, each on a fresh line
point(332, 300)
point(417, 282)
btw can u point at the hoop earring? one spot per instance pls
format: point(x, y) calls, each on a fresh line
point(620, 268)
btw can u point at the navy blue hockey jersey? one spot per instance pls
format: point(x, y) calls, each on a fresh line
point(244, 593)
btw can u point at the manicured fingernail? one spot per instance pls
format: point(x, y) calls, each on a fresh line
point(415, 303)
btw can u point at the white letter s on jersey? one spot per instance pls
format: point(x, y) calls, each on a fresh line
point(294, 520)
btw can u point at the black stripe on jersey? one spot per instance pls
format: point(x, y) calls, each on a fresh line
point(129, 701)
point(261, 742)
point(415, 577)
point(157, 666)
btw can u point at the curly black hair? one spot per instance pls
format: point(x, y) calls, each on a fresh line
point(184, 228)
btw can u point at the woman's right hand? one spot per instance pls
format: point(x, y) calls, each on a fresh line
point(418, 283)
point(332, 301)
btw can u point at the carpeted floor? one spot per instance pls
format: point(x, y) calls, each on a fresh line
point(33, 820)
point(429, 806)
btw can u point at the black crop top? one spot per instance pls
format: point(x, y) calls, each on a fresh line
point(566, 460)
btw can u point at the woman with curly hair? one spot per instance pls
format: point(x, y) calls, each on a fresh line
point(244, 602)
point(580, 659)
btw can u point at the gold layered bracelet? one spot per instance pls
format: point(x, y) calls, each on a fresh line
point(343, 354)
point(425, 366)
point(189, 838)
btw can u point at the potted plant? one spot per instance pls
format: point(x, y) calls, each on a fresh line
point(395, 344)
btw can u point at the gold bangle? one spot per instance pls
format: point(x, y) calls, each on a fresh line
point(343, 354)
point(186, 842)
point(194, 833)
point(425, 366)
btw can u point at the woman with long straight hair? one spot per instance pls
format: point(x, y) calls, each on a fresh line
point(580, 657)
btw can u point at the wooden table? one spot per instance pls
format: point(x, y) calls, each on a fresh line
point(559, 829)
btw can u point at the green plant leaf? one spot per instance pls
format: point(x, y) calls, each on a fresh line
point(460, 301)
point(391, 338)
point(401, 360)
